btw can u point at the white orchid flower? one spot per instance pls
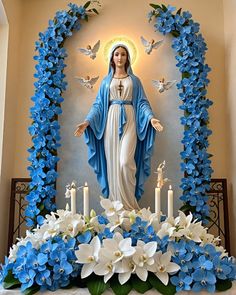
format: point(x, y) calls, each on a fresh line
point(143, 257)
point(111, 207)
point(125, 269)
point(166, 229)
point(116, 220)
point(163, 266)
point(145, 214)
point(117, 248)
point(88, 255)
point(73, 227)
point(95, 225)
point(182, 220)
point(105, 268)
point(193, 232)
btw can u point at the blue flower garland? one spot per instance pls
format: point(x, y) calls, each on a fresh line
point(190, 49)
point(47, 106)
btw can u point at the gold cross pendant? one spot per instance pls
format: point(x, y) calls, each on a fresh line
point(120, 87)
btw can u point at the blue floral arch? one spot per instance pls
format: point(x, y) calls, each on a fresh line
point(190, 50)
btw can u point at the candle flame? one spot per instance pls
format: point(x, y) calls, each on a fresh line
point(170, 187)
point(86, 184)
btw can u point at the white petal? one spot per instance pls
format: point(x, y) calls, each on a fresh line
point(163, 277)
point(83, 253)
point(150, 248)
point(108, 276)
point(118, 237)
point(142, 273)
point(101, 269)
point(117, 205)
point(96, 244)
point(124, 277)
point(106, 204)
point(110, 244)
point(140, 243)
point(87, 269)
point(172, 267)
point(165, 258)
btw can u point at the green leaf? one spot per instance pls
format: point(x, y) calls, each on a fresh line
point(223, 285)
point(32, 290)
point(41, 207)
point(119, 289)
point(187, 208)
point(96, 285)
point(159, 286)
point(87, 4)
point(10, 282)
point(185, 75)
point(95, 10)
point(179, 11)
point(139, 285)
point(175, 33)
point(155, 6)
point(164, 7)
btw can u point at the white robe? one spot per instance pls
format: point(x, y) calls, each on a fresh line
point(121, 167)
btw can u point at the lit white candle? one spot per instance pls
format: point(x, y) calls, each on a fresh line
point(170, 201)
point(157, 200)
point(73, 200)
point(86, 199)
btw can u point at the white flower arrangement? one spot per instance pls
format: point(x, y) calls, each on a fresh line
point(122, 245)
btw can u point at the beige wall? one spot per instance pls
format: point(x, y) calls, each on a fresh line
point(230, 106)
point(13, 13)
point(34, 18)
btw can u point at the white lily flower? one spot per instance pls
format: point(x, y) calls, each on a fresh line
point(111, 207)
point(88, 255)
point(117, 248)
point(143, 257)
point(163, 266)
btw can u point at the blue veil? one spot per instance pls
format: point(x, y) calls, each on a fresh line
point(94, 133)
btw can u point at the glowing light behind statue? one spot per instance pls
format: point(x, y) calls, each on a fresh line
point(127, 42)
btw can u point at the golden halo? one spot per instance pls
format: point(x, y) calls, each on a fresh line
point(117, 40)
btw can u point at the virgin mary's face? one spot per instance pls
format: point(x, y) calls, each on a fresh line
point(120, 57)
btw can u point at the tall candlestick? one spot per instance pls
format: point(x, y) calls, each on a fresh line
point(157, 200)
point(86, 199)
point(170, 201)
point(73, 200)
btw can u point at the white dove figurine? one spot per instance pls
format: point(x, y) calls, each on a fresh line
point(161, 85)
point(150, 45)
point(91, 52)
point(87, 81)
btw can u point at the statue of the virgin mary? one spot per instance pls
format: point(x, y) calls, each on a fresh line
point(120, 132)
